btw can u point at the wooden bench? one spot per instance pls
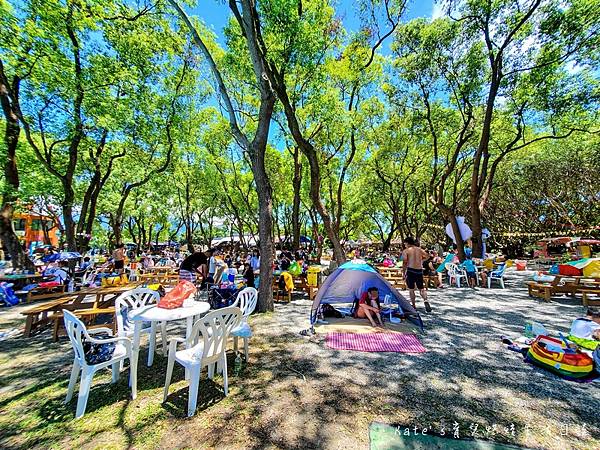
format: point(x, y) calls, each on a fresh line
point(589, 292)
point(166, 279)
point(547, 290)
point(87, 315)
point(395, 278)
point(539, 290)
point(430, 281)
point(44, 293)
point(38, 316)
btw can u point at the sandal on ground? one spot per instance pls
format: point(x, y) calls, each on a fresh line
point(427, 307)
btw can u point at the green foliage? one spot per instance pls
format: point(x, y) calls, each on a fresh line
point(398, 136)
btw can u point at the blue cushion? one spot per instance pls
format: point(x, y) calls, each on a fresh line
point(243, 330)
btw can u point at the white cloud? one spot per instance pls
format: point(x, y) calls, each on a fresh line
point(572, 67)
point(438, 11)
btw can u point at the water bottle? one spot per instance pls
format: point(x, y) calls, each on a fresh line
point(71, 286)
point(237, 365)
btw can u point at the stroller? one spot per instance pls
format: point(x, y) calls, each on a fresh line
point(7, 295)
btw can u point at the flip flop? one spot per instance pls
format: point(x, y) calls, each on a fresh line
point(427, 307)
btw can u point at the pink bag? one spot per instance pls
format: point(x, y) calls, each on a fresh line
point(174, 298)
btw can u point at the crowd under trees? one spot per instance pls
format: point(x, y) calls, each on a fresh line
point(131, 121)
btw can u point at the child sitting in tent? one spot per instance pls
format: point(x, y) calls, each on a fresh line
point(369, 306)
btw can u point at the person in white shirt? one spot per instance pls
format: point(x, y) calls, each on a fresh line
point(587, 327)
point(147, 262)
point(212, 265)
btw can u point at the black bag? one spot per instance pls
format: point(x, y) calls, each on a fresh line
point(330, 311)
point(98, 353)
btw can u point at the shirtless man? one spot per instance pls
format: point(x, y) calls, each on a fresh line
point(412, 267)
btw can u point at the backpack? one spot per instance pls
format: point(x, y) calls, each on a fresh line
point(330, 311)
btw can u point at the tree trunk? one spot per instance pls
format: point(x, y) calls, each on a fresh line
point(480, 164)
point(19, 257)
point(315, 194)
point(388, 241)
point(460, 244)
point(67, 209)
point(265, 230)
point(117, 226)
point(476, 227)
point(297, 185)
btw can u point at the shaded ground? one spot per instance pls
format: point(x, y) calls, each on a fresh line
point(297, 393)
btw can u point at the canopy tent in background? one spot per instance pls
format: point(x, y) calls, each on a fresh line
point(349, 281)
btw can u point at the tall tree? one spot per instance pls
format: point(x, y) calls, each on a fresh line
point(254, 146)
point(528, 44)
point(9, 94)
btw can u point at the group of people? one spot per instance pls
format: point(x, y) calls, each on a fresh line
point(417, 264)
point(204, 265)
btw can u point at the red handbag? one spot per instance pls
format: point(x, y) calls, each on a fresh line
point(175, 298)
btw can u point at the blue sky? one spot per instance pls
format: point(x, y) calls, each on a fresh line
point(215, 13)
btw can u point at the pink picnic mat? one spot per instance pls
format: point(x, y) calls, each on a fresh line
point(375, 342)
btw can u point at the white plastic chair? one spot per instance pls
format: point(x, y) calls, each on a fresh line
point(246, 300)
point(477, 277)
point(76, 330)
point(388, 301)
point(454, 272)
point(133, 274)
point(211, 332)
point(387, 306)
point(497, 275)
point(134, 299)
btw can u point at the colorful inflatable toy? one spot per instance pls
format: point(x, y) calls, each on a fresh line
point(553, 355)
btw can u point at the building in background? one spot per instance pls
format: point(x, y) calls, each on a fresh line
point(34, 230)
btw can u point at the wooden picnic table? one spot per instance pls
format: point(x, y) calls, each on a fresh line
point(40, 315)
point(166, 269)
point(563, 284)
point(160, 278)
point(20, 276)
point(42, 293)
point(587, 293)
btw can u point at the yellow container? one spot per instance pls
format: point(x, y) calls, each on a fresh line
point(312, 277)
point(120, 280)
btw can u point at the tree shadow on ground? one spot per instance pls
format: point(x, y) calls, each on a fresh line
point(297, 393)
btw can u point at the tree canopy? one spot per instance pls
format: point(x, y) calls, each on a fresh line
point(132, 121)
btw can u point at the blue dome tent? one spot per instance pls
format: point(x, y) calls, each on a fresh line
point(348, 282)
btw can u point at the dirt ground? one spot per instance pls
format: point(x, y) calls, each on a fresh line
point(297, 393)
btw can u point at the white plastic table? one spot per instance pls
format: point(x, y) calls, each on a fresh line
point(152, 313)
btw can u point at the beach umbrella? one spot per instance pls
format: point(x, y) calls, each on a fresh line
point(465, 230)
point(62, 256)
